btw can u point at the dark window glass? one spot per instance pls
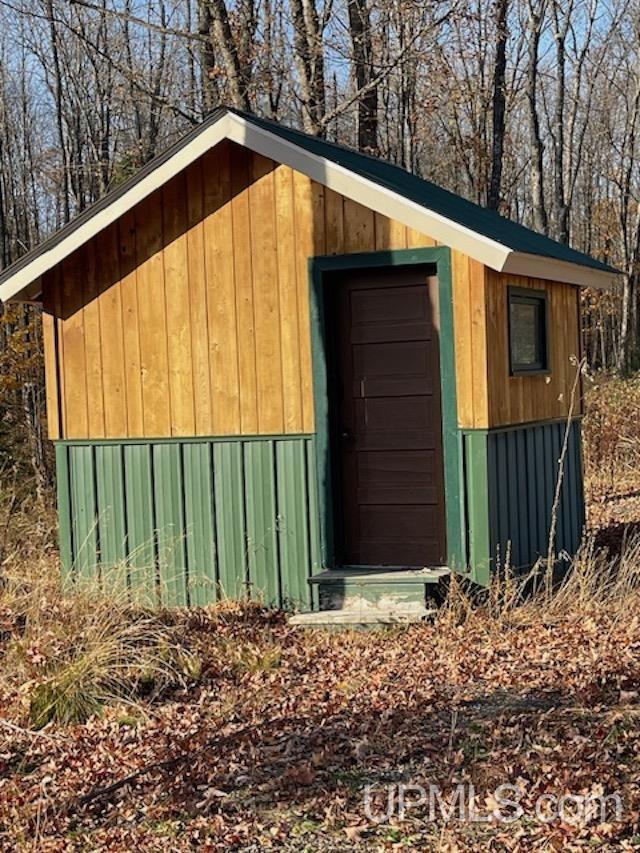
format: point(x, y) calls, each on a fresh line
point(528, 331)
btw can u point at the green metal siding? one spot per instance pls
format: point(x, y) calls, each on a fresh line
point(169, 490)
point(112, 525)
point(64, 511)
point(293, 515)
point(262, 518)
point(200, 518)
point(478, 516)
point(189, 522)
point(141, 544)
point(511, 478)
point(233, 575)
point(84, 526)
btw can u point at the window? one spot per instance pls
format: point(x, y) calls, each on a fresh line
point(528, 338)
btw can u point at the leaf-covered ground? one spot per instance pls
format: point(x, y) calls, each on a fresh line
point(273, 743)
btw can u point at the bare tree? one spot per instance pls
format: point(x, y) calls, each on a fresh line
point(536, 9)
point(360, 28)
point(308, 29)
point(499, 104)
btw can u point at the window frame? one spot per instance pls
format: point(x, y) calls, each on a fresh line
point(540, 298)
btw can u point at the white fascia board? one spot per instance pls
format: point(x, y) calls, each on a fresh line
point(19, 285)
point(370, 194)
point(539, 266)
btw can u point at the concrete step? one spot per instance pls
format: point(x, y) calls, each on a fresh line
point(387, 590)
point(382, 575)
point(361, 617)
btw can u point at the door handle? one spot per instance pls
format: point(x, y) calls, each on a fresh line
point(346, 434)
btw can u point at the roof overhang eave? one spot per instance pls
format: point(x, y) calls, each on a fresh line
point(539, 266)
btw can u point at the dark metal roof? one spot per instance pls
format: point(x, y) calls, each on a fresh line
point(430, 196)
point(435, 198)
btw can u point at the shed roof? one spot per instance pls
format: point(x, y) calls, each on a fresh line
point(483, 234)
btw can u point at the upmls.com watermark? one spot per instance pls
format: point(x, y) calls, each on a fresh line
point(383, 803)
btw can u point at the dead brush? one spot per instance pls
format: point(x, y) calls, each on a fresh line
point(595, 585)
point(71, 654)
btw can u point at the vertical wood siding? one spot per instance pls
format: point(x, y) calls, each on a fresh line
point(190, 315)
point(469, 304)
point(191, 522)
point(487, 395)
point(523, 399)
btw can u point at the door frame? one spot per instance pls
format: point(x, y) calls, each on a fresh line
point(320, 267)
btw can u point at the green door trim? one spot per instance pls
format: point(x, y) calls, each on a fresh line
point(477, 495)
point(319, 267)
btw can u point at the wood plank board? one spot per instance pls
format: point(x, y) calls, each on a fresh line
point(221, 292)
point(244, 288)
point(73, 343)
point(176, 286)
point(154, 361)
point(288, 301)
point(111, 337)
point(202, 398)
point(266, 296)
point(130, 325)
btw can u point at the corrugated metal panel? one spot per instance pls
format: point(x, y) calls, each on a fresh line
point(262, 534)
point(112, 527)
point(84, 524)
point(313, 515)
point(522, 470)
point(64, 511)
point(170, 532)
point(293, 518)
point(200, 523)
point(141, 546)
point(188, 522)
point(230, 518)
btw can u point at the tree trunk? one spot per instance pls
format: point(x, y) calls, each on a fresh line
point(210, 95)
point(364, 72)
point(237, 77)
point(561, 210)
point(309, 50)
point(539, 212)
point(59, 114)
point(499, 104)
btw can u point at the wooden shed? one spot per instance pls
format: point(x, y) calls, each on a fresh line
point(274, 364)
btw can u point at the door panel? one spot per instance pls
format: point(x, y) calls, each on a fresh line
point(388, 428)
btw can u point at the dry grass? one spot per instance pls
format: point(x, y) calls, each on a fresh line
point(595, 585)
point(66, 656)
point(273, 745)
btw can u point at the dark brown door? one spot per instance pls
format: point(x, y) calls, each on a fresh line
point(388, 422)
